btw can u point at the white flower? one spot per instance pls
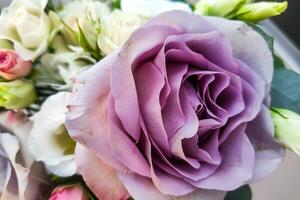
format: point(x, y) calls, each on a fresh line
point(83, 18)
point(150, 8)
point(58, 70)
point(49, 141)
point(27, 26)
point(116, 29)
point(17, 181)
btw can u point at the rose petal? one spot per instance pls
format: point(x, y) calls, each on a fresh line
point(237, 164)
point(11, 147)
point(140, 187)
point(100, 177)
point(126, 100)
point(19, 125)
point(268, 152)
point(89, 104)
point(177, 20)
point(247, 45)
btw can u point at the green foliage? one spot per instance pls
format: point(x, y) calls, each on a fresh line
point(278, 63)
point(116, 4)
point(285, 90)
point(49, 6)
point(242, 193)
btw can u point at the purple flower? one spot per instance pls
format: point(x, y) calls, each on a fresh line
point(181, 110)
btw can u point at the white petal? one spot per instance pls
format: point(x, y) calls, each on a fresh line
point(11, 147)
point(43, 139)
point(5, 171)
point(18, 125)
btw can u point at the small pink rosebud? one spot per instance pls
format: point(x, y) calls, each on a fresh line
point(12, 66)
point(71, 192)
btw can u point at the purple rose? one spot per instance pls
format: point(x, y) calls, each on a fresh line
point(181, 110)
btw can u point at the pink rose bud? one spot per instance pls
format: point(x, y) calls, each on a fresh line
point(71, 192)
point(12, 66)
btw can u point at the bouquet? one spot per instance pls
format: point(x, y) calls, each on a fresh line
point(142, 99)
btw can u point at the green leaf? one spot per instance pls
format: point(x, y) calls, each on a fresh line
point(116, 4)
point(285, 90)
point(49, 6)
point(242, 193)
point(278, 63)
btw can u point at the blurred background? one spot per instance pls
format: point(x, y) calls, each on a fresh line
point(289, 21)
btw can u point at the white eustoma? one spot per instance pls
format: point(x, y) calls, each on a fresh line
point(116, 29)
point(49, 141)
point(85, 15)
point(17, 178)
point(150, 8)
point(27, 26)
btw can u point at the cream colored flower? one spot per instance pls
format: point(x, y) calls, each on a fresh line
point(49, 141)
point(27, 26)
point(82, 20)
point(116, 29)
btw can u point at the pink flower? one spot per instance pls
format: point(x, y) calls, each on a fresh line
point(12, 66)
point(74, 192)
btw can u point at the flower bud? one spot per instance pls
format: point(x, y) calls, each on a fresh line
point(255, 12)
point(16, 94)
point(12, 66)
point(74, 192)
point(217, 7)
point(287, 128)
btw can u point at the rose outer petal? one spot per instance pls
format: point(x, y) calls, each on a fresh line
point(89, 104)
point(140, 188)
point(247, 45)
point(100, 177)
point(268, 152)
